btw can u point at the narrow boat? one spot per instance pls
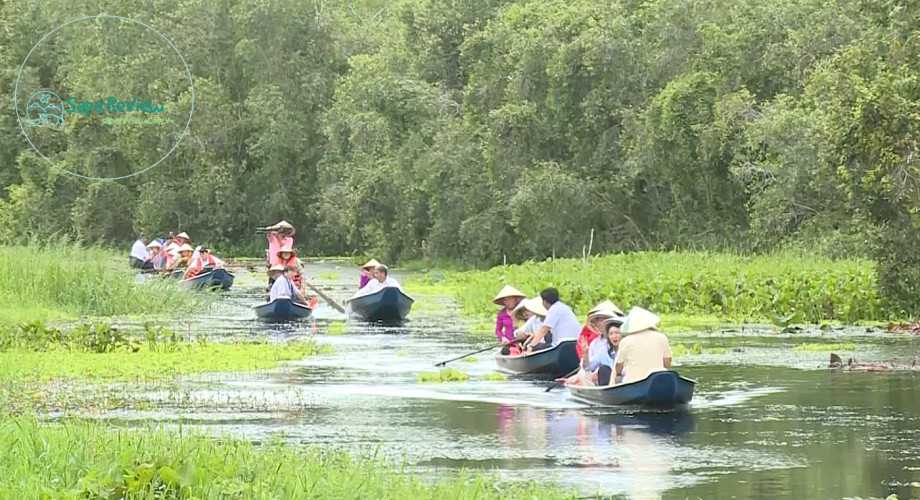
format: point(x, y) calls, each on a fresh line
point(284, 309)
point(388, 304)
point(557, 361)
point(214, 278)
point(661, 389)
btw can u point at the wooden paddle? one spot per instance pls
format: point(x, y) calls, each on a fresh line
point(442, 363)
point(324, 296)
point(557, 383)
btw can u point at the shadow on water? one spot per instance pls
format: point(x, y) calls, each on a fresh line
point(768, 420)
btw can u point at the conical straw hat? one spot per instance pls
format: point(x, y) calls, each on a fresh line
point(508, 291)
point(606, 306)
point(535, 305)
point(604, 315)
point(638, 320)
point(183, 234)
point(370, 263)
point(186, 248)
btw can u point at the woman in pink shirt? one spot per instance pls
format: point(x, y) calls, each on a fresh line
point(280, 235)
point(509, 297)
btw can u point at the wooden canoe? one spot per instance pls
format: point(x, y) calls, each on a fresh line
point(662, 389)
point(282, 309)
point(389, 304)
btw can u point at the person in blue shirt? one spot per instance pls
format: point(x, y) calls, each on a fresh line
point(597, 365)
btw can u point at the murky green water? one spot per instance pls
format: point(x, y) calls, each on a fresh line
point(766, 421)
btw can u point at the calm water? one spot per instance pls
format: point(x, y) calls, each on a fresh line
point(765, 422)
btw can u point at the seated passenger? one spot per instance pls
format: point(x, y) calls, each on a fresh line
point(560, 323)
point(643, 349)
point(532, 312)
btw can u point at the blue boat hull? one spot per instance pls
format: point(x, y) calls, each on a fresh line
point(664, 389)
point(216, 278)
point(282, 309)
point(556, 361)
point(387, 305)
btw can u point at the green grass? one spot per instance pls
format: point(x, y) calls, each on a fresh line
point(445, 375)
point(707, 287)
point(69, 282)
point(164, 361)
point(80, 459)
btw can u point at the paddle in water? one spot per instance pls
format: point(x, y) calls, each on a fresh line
point(558, 383)
point(325, 297)
point(493, 346)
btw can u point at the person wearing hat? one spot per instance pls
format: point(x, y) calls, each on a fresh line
point(560, 323)
point(176, 241)
point(381, 280)
point(531, 312)
point(183, 257)
point(508, 298)
point(643, 349)
point(279, 236)
point(596, 365)
point(202, 261)
point(367, 272)
point(156, 257)
point(284, 287)
point(591, 331)
point(273, 273)
point(287, 256)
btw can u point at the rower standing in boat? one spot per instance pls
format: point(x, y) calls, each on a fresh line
point(508, 298)
point(139, 254)
point(284, 287)
point(532, 312)
point(280, 235)
point(643, 349)
point(367, 272)
point(560, 323)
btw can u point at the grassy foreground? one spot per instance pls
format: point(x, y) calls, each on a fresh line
point(78, 459)
point(687, 285)
point(68, 282)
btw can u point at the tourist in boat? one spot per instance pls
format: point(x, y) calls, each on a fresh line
point(560, 323)
point(287, 256)
point(597, 363)
point(508, 298)
point(203, 261)
point(157, 256)
point(532, 313)
point(183, 259)
point(643, 349)
point(139, 255)
point(284, 287)
point(177, 241)
point(590, 331)
point(273, 273)
point(280, 235)
point(381, 280)
point(367, 272)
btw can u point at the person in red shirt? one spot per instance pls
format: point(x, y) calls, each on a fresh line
point(590, 331)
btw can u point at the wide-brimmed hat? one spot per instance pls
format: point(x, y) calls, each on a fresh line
point(638, 320)
point(183, 235)
point(287, 250)
point(508, 291)
point(608, 306)
point(186, 248)
point(371, 263)
point(276, 267)
point(617, 321)
point(534, 305)
point(604, 315)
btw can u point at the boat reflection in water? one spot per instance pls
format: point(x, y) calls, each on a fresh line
point(640, 448)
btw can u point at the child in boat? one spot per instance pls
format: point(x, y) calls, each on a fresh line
point(509, 297)
point(532, 313)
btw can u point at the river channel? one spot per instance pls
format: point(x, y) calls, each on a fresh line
point(766, 421)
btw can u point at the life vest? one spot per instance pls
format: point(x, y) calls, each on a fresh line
point(193, 271)
point(292, 261)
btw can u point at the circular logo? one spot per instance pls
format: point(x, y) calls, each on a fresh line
point(110, 113)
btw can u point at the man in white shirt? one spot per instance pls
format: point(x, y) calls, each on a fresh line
point(380, 280)
point(284, 287)
point(560, 323)
point(139, 253)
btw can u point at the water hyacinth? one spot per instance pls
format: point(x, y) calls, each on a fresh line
point(694, 283)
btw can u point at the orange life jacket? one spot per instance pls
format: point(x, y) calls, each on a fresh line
point(194, 270)
point(292, 261)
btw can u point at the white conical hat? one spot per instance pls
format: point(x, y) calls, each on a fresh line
point(508, 291)
point(535, 305)
point(184, 235)
point(606, 306)
point(370, 263)
point(603, 315)
point(638, 320)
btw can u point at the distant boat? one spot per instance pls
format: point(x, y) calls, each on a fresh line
point(661, 389)
point(557, 361)
point(284, 309)
point(389, 304)
point(214, 278)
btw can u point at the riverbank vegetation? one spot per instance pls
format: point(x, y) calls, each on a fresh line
point(491, 130)
point(65, 281)
point(770, 289)
point(78, 459)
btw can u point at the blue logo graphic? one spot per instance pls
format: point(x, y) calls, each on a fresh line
point(45, 109)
